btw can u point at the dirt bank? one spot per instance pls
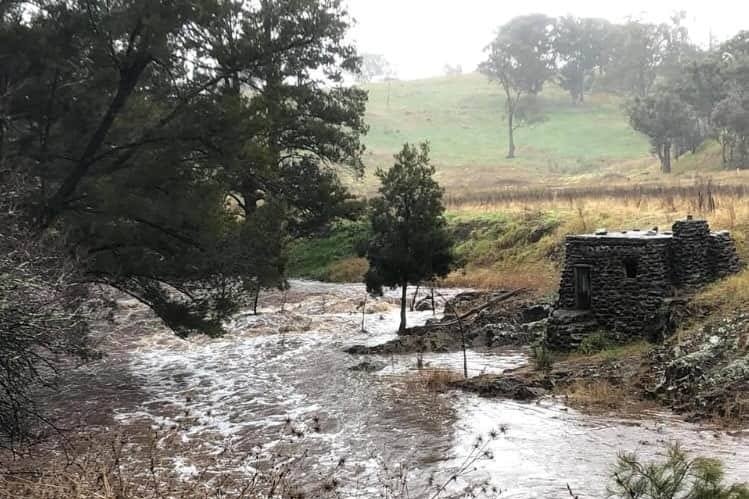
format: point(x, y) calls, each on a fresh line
point(701, 373)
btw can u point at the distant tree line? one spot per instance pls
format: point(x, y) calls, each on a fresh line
point(678, 94)
point(705, 98)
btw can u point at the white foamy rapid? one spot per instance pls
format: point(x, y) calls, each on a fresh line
point(282, 370)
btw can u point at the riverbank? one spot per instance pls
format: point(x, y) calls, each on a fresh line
point(277, 393)
point(701, 372)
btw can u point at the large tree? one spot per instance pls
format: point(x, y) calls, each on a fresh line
point(133, 121)
point(521, 60)
point(665, 119)
point(730, 115)
point(582, 49)
point(374, 66)
point(410, 242)
point(637, 51)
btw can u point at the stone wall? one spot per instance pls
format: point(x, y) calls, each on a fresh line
point(689, 246)
point(687, 258)
point(722, 256)
point(620, 303)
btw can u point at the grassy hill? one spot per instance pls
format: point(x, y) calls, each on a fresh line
point(463, 118)
point(495, 204)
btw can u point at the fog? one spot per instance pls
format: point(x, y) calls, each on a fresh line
point(419, 37)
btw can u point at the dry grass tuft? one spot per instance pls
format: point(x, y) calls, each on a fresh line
point(540, 278)
point(347, 270)
point(729, 294)
point(432, 380)
point(596, 394)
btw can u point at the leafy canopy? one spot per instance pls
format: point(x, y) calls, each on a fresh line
point(132, 122)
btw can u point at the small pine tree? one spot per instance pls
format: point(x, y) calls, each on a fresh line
point(410, 241)
point(677, 477)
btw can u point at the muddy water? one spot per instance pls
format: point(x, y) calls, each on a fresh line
point(283, 372)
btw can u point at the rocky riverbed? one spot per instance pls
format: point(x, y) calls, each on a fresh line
point(280, 386)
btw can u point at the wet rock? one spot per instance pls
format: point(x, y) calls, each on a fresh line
point(424, 305)
point(463, 299)
point(501, 386)
point(501, 334)
point(706, 373)
point(534, 313)
point(368, 366)
point(534, 331)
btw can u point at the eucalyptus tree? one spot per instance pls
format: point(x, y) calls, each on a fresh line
point(520, 59)
point(582, 49)
point(665, 119)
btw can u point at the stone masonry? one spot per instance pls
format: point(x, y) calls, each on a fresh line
point(624, 282)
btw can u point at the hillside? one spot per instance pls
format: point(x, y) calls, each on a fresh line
point(463, 118)
point(586, 145)
point(495, 203)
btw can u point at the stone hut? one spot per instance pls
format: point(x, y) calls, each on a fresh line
point(626, 282)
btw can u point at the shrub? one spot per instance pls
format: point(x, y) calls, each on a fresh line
point(677, 477)
point(543, 358)
point(595, 343)
point(347, 270)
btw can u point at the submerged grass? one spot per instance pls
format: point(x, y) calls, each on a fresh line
point(432, 380)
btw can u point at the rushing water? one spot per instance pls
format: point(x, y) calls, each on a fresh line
point(287, 369)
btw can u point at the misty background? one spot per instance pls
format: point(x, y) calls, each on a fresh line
point(419, 37)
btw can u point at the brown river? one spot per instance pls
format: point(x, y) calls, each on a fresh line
point(280, 381)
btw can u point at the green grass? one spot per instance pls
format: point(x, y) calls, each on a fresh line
point(463, 118)
point(515, 244)
point(314, 258)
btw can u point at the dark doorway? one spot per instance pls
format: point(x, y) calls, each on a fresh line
point(582, 287)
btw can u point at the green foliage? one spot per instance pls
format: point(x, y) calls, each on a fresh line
point(410, 241)
point(637, 50)
point(521, 56)
point(595, 342)
point(677, 477)
point(582, 51)
point(132, 123)
point(313, 257)
point(521, 60)
point(543, 358)
point(666, 120)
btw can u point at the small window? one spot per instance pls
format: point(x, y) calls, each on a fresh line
point(630, 266)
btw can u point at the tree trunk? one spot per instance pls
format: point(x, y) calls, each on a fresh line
point(511, 133)
point(364, 312)
point(413, 300)
point(666, 159)
point(129, 78)
point(257, 296)
point(404, 300)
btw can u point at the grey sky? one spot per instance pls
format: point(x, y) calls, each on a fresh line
point(420, 36)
